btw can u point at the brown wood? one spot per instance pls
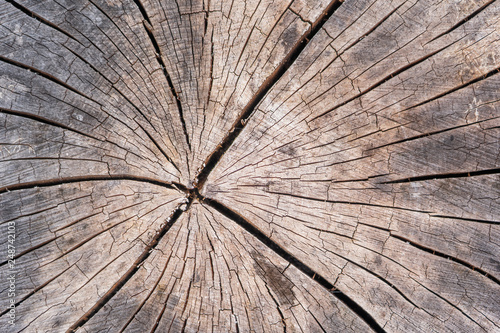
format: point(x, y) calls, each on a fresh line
point(265, 166)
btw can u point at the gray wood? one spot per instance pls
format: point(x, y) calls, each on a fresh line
point(265, 166)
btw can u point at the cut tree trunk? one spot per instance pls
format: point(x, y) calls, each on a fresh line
point(260, 166)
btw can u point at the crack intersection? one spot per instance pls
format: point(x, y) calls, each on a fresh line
point(193, 193)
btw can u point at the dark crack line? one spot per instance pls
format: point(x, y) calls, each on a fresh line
point(95, 235)
point(78, 179)
point(139, 308)
point(46, 76)
point(148, 26)
point(423, 135)
point(78, 289)
point(50, 122)
point(449, 303)
point(133, 105)
point(38, 211)
point(31, 249)
point(462, 22)
point(462, 86)
point(446, 256)
point(131, 271)
point(40, 19)
point(248, 110)
point(317, 322)
point(384, 80)
point(249, 227)
point(349, 202)
point(205, 20)
point(31, 293)
point(53, 278)
point(444, 176)
point(210, 86)
point(373, 251)
point(159, 147)
point(45, 121)
point(378, 276)
point(130, 42)
point(465, 219)
point(50, 24)
point(277, 308)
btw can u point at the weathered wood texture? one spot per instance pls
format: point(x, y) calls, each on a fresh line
point(265, 166)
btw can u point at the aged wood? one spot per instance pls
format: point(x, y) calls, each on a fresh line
point(265, 166)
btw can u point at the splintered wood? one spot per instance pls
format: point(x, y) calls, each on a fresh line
point(250, 166)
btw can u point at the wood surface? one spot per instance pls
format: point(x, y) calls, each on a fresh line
point(249, 166)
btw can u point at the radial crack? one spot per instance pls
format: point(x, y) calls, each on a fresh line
point(463, 21)
point(423, 135)
point(46, 76)
point(444, 176)
point(131, 271)
point(40, 19)
point(247, 111)
point(149, 30)
point(44, 121)
point(384, 80)
point(133, 105)
point(448, 257)
point(249, 227)
point(464, 85)
point(67, 180)
point(277, 308)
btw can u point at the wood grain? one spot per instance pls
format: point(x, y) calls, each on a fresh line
point(228, 166)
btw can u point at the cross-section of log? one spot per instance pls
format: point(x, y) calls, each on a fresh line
point(249, 166)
